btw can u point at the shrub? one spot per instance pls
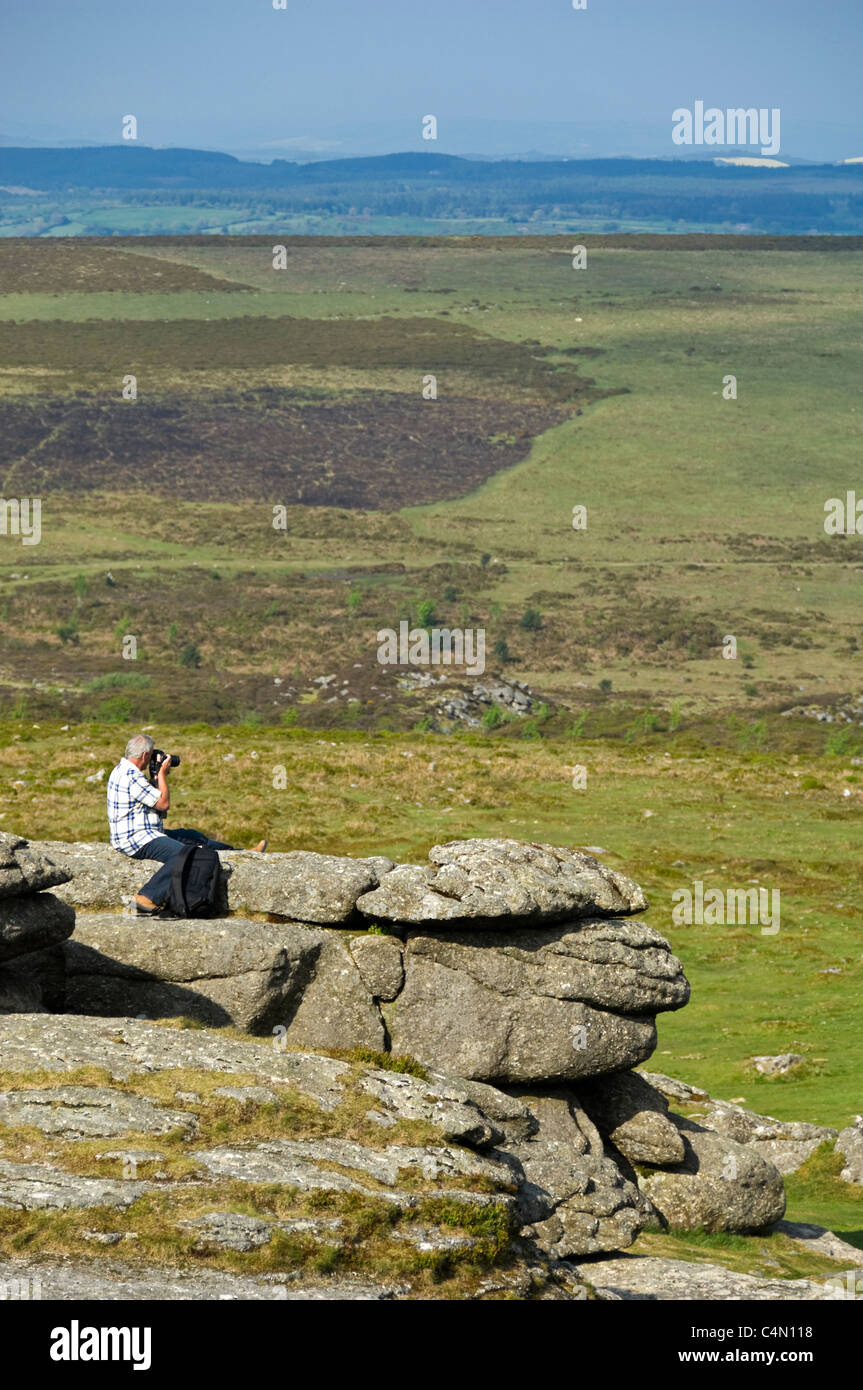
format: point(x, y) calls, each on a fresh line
point(500, 651)
point(493, 717)
point(425, 613)
point(119, 680)
point(115, 710)
point(646, 723)
point(840, 741)
point(605, 685)
point(753, 737)
point(68, 632)
point(530, 620)
point(190, 657)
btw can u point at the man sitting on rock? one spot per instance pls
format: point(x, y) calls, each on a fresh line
point(135, 813)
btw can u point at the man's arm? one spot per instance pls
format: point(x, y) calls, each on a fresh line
point(164, 802)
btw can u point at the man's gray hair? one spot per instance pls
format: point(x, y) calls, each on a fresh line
point(141, 743)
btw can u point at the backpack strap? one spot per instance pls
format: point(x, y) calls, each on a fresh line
point(176, 896)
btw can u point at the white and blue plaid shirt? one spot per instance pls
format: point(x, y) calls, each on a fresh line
point(131, 798)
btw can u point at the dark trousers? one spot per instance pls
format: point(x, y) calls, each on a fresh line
point(165, 849)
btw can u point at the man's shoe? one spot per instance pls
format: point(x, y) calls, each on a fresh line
point(143, 906)
point(261, 847)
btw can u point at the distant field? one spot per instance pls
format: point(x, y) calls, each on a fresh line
point(303, 388)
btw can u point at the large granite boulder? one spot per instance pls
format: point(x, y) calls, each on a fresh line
point(528, 978)
point(849, 1145)
point(296, 886)
point(785, 1143)
point(501, 883)
point(557, 1003)
point(633, 1116)
point(560, 1003)
point(719, 1186)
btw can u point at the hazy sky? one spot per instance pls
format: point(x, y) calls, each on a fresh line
point(500, 75)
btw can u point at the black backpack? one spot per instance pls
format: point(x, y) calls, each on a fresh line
point(195, 883)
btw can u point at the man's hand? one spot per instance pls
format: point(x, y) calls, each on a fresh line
point(164, 766)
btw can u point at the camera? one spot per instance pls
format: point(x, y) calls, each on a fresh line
point(157, 757)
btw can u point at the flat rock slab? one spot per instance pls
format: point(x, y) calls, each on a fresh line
point(25, 869)
point(32, 923)
point(673, 1089)
point(299, 885)
point(307, 887)
point(501, 882)
point(646, 1278)
point(822, 1242)
point(787, 1144)
point(126, 1048)
point(36, 1186)
point(219, 971)
point(306, 1164)
point(85, 1112)
point(110, 1281)
point(230, 1230)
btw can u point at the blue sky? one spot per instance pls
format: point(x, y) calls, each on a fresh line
point(502, 76)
